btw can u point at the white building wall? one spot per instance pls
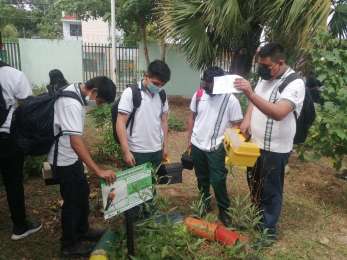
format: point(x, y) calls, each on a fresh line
point(95, 31)
point(66, 30)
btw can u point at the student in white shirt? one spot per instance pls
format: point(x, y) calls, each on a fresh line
point(14, 87)
point(208, 120)
point(69, 120)
point(148, 141)
point(270, 119)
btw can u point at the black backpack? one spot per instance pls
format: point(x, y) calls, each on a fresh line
point(308, 112)
point(32, 122)
point(136, 93)
point(3, 108)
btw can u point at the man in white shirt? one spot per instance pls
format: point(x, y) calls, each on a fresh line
point(148, 140)
point(14, 87)
point(210, 116)
point(270, 119)
point(69, 117)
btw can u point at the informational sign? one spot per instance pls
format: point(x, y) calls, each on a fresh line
point(132, 187)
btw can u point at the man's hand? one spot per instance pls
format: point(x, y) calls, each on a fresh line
point(244, 127)
point(129, 159)
point(108, 175)
point(165, 153)
point(244, 86)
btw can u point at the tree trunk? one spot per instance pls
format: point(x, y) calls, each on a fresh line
point(162, 48)
point(144, 39)
point(242, 60)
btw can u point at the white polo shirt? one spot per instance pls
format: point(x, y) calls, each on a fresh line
point(69, 117)
point(215, 114)
point(269, 134)
point(15, 86)
point(147, 135)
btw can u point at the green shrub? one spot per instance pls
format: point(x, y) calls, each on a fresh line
point(328, 136)
point(176, 124)
point(33, 165)
point(101, 115)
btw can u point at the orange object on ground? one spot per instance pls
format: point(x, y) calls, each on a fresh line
point(213, 231)
point(201, 228)
point(226, 237)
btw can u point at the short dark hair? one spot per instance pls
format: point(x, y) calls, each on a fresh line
point(160, 70)
point(272, 50)
point(212, 72)
point(105, 87)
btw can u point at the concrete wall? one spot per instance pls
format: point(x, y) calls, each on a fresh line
point(39, 56)
point(184, 79)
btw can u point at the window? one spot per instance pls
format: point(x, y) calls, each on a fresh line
point(75, 30)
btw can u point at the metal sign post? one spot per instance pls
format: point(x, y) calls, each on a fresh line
point(113, 39)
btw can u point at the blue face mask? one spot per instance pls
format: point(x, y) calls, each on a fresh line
point(153, 88)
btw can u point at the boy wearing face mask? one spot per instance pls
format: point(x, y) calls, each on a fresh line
point(149, 138)
point(208, 120)
point(270, 119)
point(69, 117)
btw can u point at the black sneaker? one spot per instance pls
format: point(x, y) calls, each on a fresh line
point(224, 218)
point(77, 250)
point(92, 234)
point(22, 232)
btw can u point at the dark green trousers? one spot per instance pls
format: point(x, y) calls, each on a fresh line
point(210, 170)
point(153, 158)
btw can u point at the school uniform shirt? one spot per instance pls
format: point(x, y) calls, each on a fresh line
point(269, 134)
point(215, 114)
point(147, 135)
point(15, 86)
point(69, 117)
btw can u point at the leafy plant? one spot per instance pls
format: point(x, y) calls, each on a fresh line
point(33, 165)
point(108, 150)
point(101, 115)
point(176, 124)
point(328, 136)
point(244, 213)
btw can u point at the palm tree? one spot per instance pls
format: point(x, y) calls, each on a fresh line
point(205, 29)
point(338, 22)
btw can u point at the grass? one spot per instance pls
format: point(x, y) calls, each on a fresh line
point(313, 224)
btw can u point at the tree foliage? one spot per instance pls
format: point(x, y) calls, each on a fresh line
point(207, 29)
point(32, 17)
point(338, 22)
point(328, 136)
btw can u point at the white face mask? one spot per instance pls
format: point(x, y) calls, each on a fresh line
point(90, 103)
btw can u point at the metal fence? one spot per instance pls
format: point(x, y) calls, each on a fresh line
point(97, 61)
point(11, 54)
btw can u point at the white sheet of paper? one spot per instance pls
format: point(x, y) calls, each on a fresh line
point(225, 84)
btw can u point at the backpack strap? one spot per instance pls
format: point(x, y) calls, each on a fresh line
point(198, 96)
point(162, 95)
point(290, 78)
point(137, 98)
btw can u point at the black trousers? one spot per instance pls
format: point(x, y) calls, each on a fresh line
point(11, 169)
point(266, 181)
point(74, 190)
